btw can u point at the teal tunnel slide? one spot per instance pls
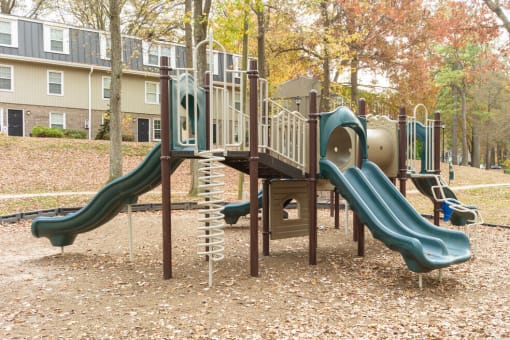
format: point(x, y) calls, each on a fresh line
point(106, 204)
point(392, 219)
point(382, 208)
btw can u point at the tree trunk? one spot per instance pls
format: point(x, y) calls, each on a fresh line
point(487, 149)
point(244, 66)
point(6, 6)
point(465, 152)
point(354, 81)
point(475, 158)
point(454, 140)
point(326, 83)
point(115, 98)
point(200, 22)
point(261, 36)
point(188, 33)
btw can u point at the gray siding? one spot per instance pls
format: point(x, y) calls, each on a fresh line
point(133, 57)
point(84, 48)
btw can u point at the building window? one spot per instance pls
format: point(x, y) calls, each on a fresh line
point(9, 33)
point(56, 83)
point(105, 47)
point(150, 54)
point(169, 51)
point(106, 87)
point(57, 120)
point(153, 52)
point(56, 39)
point(153, 56)
point(151, 92)
point(237, 102)
point(156, 129)
point(6, 78)
point(236, 66)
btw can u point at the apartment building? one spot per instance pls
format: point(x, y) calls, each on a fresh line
point(56, 75)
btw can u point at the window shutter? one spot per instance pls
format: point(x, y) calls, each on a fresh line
point(66, 40)
point(47, 39)
point(145, 52)
point(14, 33)
point(102, 46)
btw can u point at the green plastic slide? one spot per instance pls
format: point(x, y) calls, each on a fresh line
point(233, 211)
point(106, 204)
point(391, 219)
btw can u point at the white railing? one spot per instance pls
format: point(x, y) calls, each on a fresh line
point(227, 117)
point(226, 101)
point(281, 131)
point(428, 144)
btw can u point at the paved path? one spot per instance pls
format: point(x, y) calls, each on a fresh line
point(468, 187)
point(62, 193)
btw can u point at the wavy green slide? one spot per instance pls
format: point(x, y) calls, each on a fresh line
point(106, 204)
point(233, 211)
point(392, 219)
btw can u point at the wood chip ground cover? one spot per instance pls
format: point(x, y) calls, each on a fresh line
point(94, 291)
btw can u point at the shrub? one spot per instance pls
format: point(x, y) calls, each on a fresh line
point(75, 134)
point(506, 164)
point(128, 138)
point(42, 131)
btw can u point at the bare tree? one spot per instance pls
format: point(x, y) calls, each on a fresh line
point(115, 98)
point(188, 29)
point(201, 11)
point(6, 6)
point(497, 8)
point(9, 7)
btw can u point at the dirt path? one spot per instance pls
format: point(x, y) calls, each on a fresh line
point(93, 291)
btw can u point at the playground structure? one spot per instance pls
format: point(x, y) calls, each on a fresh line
point(428, 180)
point(291, 153)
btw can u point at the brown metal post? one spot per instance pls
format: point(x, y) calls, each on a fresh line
point(360, 228)
point(253, 77)
point(402, 124)
point(437, 163)
point(207, 90)
point(312, 179)
point(332, 203)
point(337, 210)
point(265, 217)
point(166, 102)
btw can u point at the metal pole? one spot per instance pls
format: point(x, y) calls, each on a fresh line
point(165, 168)
point(312, 179)
point(332, 203)
point(130, 232)
point(265, 217)
point(337, 210)
point(360, 228)
point(402, 123)
point(437, 161)
point(253, 77)
point(207, 90)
